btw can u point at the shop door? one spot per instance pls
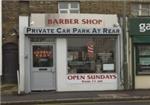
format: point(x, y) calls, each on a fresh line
point(43, 66)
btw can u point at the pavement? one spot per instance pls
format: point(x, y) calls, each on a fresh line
point(69, 97)
point(8, 88)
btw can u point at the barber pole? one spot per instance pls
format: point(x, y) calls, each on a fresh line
point(90, 49)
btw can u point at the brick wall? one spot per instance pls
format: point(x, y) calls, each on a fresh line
point(103, 7)
point(9, 20)
point(12, 9)
point(43, 6)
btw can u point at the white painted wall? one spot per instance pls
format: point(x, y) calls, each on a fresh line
point(119, 64)
point(27, 64)
point(23, 22)
point(37, 20)
point(61, 63)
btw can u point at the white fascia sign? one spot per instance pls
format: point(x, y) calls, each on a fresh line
point(50, 24)
point(61, 30)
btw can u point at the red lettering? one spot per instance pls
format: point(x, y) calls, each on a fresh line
point(49, 21)
point(76, 21)
point(114, 76)
point(92, 21)
point(76, 77)
point(62, 21)
point(69, 77)
point(102, 76)
point(107, 77)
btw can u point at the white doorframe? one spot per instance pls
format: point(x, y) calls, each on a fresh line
point(23, 22)
point(50, 70)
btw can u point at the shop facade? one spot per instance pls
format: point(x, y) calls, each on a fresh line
point(139, 30)
point(75, 52)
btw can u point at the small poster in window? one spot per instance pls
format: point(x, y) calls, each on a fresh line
point(108, 67)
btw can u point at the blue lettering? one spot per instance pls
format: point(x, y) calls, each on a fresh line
point(59, 30)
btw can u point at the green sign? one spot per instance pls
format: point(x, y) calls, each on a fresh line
point(139, 26)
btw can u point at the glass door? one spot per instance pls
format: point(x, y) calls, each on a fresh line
point(43, 66)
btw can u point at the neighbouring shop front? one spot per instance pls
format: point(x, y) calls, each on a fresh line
point(139, 29)
point(75, 52)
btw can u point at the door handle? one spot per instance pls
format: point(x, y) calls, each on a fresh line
point(43, 69)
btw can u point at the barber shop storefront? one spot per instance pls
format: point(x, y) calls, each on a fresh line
point(75, 52)
point(139, 29)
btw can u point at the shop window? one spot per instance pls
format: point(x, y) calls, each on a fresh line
point(68, 7)
point(91, 55)
point(143, 59)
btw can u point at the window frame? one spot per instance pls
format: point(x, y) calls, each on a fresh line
point(140, 9)
point(135, 9)
point(138, 56)
point(147, 9)
point(69, 7)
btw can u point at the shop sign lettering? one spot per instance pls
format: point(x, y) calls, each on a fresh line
point(62, 21)
point(36, 31)
point(143, 27)
point(139, 26)
point(91, 78)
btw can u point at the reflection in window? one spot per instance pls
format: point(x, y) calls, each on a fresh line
point(143, 59)
point(42, 56)
point(89, 55)
point(144, 50)
point(63, 5)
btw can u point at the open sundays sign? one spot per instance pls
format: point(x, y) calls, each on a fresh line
point(92, 78)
